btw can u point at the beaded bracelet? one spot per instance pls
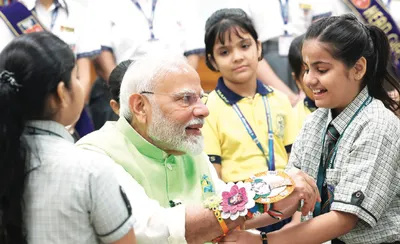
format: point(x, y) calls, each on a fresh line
point(264, 237)
point(213, 203)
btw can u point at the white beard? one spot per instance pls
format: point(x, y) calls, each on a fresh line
point(172, 136)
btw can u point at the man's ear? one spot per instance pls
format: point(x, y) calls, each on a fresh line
point(360, 68)
point(138, 108)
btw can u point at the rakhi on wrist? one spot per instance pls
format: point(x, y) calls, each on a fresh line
point(269, 187)
point(250, 198)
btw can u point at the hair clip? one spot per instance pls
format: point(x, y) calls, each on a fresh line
point(8, 77)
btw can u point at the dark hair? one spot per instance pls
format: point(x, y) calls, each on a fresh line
point(219, 23)
point(295, 56)
point(349, 40)
point(116, 76)
point(31, 67)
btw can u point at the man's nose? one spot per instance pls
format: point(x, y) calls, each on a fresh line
point(201, 110)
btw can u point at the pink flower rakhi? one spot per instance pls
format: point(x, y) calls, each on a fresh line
point(236, 199)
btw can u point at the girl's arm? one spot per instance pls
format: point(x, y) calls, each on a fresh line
point(84, 68)
point(315, 231)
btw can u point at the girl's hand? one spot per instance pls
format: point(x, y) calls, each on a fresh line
point(242, 236)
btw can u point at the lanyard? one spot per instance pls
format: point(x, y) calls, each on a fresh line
point(36, 131)
point(54, 16)
point(271, 161)
point(285, 11)
point(324, 165)
point(331, 163)
point(150, 19)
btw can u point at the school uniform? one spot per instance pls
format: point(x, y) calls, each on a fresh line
point(132, 28)
point(227, 142)
point(65, 20)
point(363, 173)
point(71, 195)
point(303, 109)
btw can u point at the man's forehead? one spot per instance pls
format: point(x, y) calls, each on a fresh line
point(182, 81)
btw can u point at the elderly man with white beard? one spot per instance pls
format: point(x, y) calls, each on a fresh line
point(158, 141)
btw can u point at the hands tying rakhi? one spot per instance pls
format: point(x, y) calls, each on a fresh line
point(251, 198)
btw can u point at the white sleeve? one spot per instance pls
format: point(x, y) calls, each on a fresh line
point(154, 224)
point(88, 37)
point(100, 22)
point(6, 35)
point(267, 18)
point(194, 28)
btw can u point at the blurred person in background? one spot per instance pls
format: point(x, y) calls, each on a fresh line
point(131, 28)
point(66, 20)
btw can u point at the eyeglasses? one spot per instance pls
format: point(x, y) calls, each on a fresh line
point(186, 99)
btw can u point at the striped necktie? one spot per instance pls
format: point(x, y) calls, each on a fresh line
point(326, 190)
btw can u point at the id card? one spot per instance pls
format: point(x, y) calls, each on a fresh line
point(284, 44)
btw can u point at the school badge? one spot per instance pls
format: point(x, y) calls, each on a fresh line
point(19, 19)
point(206, 184)
point(29, 25)
point(280, 126)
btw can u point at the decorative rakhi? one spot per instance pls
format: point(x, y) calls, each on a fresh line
point(250, 198)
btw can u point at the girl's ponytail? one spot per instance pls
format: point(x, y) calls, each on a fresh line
point(12, 160)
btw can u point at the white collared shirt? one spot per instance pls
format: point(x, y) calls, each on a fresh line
point(125, 28)
point(266, 15)
point(68, 24)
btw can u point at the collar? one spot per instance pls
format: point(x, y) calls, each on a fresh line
point(341, 121)
point(310, 104)
point(230, 97)
point(141, 144)
point(51, 127)
point(31, 4)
